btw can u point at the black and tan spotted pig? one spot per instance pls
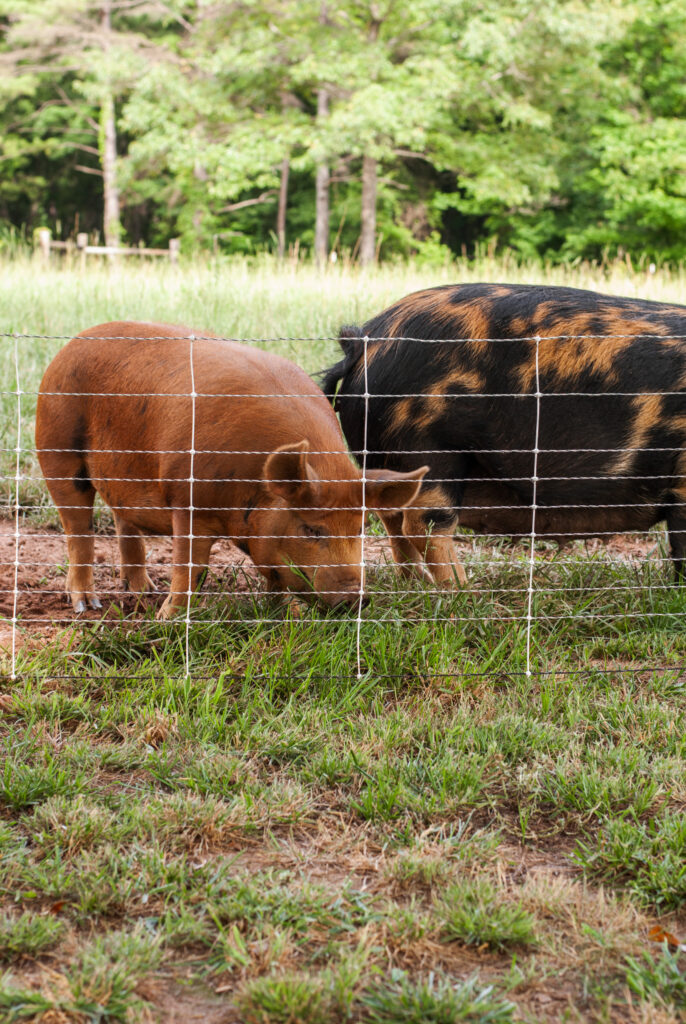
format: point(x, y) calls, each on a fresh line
point(612, 432)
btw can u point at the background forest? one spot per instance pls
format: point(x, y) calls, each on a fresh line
point(371, 128)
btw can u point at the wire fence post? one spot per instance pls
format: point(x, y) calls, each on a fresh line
point(17, 532)
point(534, 495)
point(364, 509)
point(189, 592)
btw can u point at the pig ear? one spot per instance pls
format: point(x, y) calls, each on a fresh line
point(289, 475)
point(386, 489)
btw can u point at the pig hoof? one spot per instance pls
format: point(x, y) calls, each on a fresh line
point(294, 608)
point(167, 611)
point(95, 602)
point(137, 585)
point(80, 607)
point(455, 582)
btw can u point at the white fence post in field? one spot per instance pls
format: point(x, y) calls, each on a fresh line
point(174, 249)
point(81, 243)
point(44, 241)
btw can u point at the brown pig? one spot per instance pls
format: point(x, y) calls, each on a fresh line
point(269, 464)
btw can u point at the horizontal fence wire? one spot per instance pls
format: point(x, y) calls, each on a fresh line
point(463, 538)
point(354, 508)
point(343, 451)
point(326, 480)
point(310, 339)
point(457, 585)
point(346, 394)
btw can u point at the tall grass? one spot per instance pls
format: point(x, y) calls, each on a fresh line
point(240, 298)
point(261, 297)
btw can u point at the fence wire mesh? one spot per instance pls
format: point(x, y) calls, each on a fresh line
point(334, 592)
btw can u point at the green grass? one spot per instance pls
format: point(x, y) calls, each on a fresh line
point(648, 856)
point(282, 999)
point(476, 914)
point(435, 1002)
point(274, 838)
point(28, 934)
point(662, 978)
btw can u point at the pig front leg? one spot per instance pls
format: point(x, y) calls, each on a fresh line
point(442, 560)
point(407, 556)
point(188, 566)
point(434, 541)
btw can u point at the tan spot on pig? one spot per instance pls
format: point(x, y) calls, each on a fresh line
point(648, 409)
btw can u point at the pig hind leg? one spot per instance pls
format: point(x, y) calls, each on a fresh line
point(676, 528)
point(188, 565)
point(73, 493)
point(132, 570)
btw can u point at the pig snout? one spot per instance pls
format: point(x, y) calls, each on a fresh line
point(343, 595)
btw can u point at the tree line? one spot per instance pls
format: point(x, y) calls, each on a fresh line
point(371, 127)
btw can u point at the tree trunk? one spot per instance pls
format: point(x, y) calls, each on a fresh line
point(281, 212)
point(368, 233)
point(321, 226)
point(108, 129)
point(109, 173)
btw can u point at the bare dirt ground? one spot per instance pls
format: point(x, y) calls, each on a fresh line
point(43, 605)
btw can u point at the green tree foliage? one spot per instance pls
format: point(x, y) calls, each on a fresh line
point(631, 193)
point(558, 130)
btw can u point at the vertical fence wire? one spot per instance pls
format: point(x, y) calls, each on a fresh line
point(534, 495)
point(364, 509)
point(17, 534)
point(189, 592)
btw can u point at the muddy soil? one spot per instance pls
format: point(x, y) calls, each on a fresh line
point(40, 576)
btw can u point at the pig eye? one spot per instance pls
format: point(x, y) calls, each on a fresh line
point(312, 531)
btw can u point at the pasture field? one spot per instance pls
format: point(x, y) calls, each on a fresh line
point(275, 840)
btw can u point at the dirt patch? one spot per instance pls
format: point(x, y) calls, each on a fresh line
point(43, 605)
point(182, 1000)
point(41, 598)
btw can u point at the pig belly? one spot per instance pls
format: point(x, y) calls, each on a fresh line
point(490, 508)
point(142, 505)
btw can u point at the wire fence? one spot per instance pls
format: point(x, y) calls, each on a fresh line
point(518, 525)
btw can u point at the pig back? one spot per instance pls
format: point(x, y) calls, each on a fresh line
point(121, 394)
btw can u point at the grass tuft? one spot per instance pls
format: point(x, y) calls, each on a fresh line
point(104, 979)
point(649, 858)
point(434, 1001)
point(661, 977)
point(284, 999)
point(28, 934)
point(23, 783)
point(475, 913)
